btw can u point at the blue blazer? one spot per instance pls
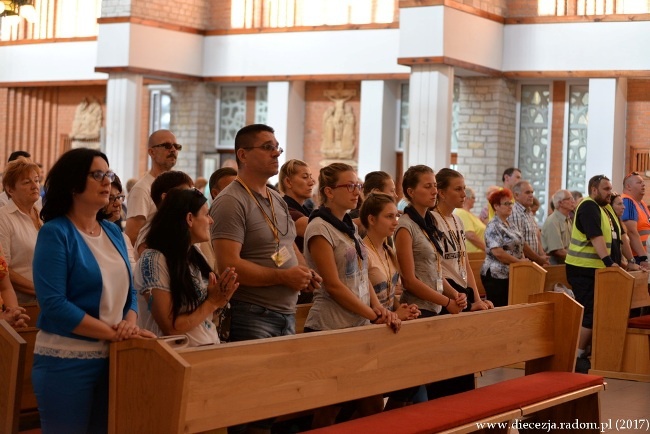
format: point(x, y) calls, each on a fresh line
point(67, 277)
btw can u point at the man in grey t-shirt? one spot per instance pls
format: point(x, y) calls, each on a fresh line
point(254, 233)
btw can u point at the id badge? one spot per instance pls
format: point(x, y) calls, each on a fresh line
point(463, 274)
point(614, 235)
point(281, 256)
point(439, 284)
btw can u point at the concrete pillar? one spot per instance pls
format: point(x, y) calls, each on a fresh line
point(123, 114)
point(606, 129)
point(430, 98)
point(378, 124)
point(286, 114)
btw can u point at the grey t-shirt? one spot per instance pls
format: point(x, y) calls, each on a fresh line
point(326, 313)
point(425, 260)
point(238, 218)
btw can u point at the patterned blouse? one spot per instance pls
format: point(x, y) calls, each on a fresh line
point(500, 234)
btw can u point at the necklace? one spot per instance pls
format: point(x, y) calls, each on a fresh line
point(457, 239)
point(92, 231)
point(386, 266)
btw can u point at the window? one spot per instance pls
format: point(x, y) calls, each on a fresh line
point(534, 140)
point(160, 111)
point(239, 106)
point(576, 165)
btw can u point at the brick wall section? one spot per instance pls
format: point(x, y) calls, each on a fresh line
point(193, 123)
point(116, 8)
point(557, 140)
point(191, 13)
point(486, 145)
point(315, 105)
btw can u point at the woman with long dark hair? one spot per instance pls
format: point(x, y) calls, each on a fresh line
point(83, 284)
point(184, 293)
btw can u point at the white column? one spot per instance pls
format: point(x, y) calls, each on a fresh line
point(431, 90)
point(606, 129)
point(286, 114)
point(378, 124)
point(123, 114)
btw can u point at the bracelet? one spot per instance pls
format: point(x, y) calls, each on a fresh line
point(631, 260)
point(608, 261)
point(372, 321)
point(448, 301)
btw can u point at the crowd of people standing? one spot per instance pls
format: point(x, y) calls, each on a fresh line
point(172, 265)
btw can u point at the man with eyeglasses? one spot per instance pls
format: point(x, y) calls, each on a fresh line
point(525, 222)
point(254, 233)
point(594, 229)
point(636, 216)
point(163, 150)
point(556, 232)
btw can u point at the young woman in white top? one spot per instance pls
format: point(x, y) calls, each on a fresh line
point(455, 261)
point(184, 292)
point(334, 249)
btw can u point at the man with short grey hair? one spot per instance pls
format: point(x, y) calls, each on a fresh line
point(556, 232)
point(525, 223)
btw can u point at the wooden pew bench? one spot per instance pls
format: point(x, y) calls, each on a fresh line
point(527, 278)
point(18, 384)
point(620, 345)
point(12, 365)
point(157, 389)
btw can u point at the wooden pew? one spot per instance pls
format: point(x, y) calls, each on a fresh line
point(619, 350)
point(302, 310)
point(476, 256)
point(528, 278)
point(475, 265)
point(12, 365)
point(32, 309)
point(156, 389)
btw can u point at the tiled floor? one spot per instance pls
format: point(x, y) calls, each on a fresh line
point(627, 402)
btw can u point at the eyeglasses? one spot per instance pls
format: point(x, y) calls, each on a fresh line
point(99, 176)
point(112, 199)
point(169, 146)
point(507, 204)
point(266, 147)
point(351, 186)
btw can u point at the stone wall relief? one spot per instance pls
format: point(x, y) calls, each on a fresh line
point(339, 126)
point(87, 125)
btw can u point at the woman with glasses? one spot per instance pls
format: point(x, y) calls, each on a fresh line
point(504, 246)
point(20, 223)
point(334, 249)
point(114, 210)
point(83, 285)
point(184, 292)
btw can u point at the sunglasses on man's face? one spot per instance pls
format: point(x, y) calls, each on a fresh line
point(168, 146)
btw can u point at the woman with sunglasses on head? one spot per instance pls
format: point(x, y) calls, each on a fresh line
point(455, 261)
point(504, 246)
point(184, 292)
point(20, 223)
point(333, 248)
point(83, 285)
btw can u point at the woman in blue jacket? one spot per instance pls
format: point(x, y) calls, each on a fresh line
point(84, 288)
